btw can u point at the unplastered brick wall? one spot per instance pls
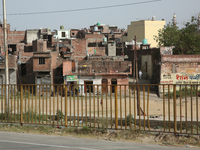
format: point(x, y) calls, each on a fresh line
point(100, 51)
point(54, 59)
point(67, 68)
point(111, 66)
point(11, 62)
point(25, 56)
point(41, 67)
point(121, 80)
point(39, 45)
point(181, 63)
point(78, 49)
point(20, 47)
point(180, 58)
point(13, 36)
point(89, 36)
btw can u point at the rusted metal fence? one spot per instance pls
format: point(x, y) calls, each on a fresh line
point(136, 107)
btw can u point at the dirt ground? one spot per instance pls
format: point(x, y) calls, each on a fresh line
point(126, 105)
point(95, 104)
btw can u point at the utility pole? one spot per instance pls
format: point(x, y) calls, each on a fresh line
point(136, 70)
point(5, 49)
point(133, 66)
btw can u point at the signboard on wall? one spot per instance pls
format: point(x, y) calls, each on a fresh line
point(71, 78)
point(178, 78)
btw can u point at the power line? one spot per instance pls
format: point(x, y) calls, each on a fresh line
point(84, 9)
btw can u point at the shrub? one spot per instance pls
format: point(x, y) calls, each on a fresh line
point(59, 115)
point(128, 119)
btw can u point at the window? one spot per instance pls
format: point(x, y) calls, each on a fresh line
point(41, 60)
point(73, 33)
point(63, 34)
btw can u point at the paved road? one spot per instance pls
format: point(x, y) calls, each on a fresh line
point(23, 141)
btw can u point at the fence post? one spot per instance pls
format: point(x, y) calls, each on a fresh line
point(175, 123)
point(21, 109)
point(65, 105)
point(116, 109)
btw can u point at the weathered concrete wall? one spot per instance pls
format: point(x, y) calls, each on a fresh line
point(12, 76)
point(146, 66)
point(111, 49)
point(31, 35)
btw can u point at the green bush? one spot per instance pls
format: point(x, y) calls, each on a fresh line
point(59, 115)
point(128, 119)
point(85, 129)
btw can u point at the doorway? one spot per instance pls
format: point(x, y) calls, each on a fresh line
point(88, 86)
point(113, 83)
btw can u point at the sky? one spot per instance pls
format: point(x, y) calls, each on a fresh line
point(119, 16)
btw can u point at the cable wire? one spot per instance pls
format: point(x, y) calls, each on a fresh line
point(83, 9)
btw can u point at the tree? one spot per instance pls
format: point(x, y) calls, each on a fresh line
point(185, 40)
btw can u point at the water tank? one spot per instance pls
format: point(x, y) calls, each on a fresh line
point(95, 28)
point(144, 41)
point(62, 27)
point(98, 24)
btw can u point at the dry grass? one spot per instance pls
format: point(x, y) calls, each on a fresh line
point(111, 135)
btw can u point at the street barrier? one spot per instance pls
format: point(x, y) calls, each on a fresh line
point(154, 108)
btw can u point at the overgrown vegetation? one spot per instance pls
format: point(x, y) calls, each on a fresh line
point(32, 116)
point(185, 40)
point(59, 115)
point(129, 119)
point(184, 92)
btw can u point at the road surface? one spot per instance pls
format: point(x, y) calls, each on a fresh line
point(24, 141)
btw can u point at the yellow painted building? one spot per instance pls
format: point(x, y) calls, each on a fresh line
point(144, 29)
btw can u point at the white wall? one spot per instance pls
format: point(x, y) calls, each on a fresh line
point(96, 81)
point(31, 35)
point(59, 34)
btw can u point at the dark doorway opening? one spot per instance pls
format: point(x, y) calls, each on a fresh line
point(12, 48)
point(113, 83)
point(88, 86)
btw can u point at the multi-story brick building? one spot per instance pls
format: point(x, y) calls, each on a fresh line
point(97, 70)
point(93, 61)
point(44, 60)
point(14, 37)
